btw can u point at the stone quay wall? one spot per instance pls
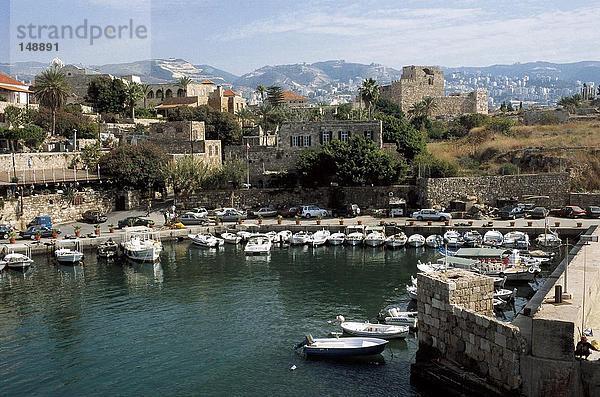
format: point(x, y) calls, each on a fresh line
point(62, 208)
point(584, 199)
point(456, 320)
point(488, 189)
point(38, 161)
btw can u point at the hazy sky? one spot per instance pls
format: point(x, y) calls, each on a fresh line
point(240, 36)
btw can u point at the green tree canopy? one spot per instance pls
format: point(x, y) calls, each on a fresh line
point(274, 95)
point(185, 174)
point(107, 95)
point(219, 125)
point(137, 166)
point(51, 89)
point(67, 122)
point(427, 165)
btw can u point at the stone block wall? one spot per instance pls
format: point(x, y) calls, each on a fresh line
point(302, 135)
point(452, 105)
point(456, 320)
point(38, 161)
point(440, 191)
point(584, 199)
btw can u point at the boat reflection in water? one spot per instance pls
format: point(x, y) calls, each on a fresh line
point(140, 274)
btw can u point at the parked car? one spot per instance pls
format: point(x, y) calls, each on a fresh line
point(33, 230)
point(346, 211)
point(42, 220)
point(431, 215)
point(309, 211)
point(5, 231)
point(512, 212)
point(198, 212)
point(94, 216)
point(191, 218)
point(289, 212)
point(223, 211)
point(592, 211)
point(230, 215)
point(538, 213)
point(265, 212)
point(569, 211)
point(134, 221)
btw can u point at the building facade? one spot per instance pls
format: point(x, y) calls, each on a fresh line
point(303, 135)
point(419, 82)
point(13, 93)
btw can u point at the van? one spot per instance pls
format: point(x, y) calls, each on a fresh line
point(42, 220)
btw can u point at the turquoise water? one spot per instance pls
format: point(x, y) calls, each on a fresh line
point(203, 322)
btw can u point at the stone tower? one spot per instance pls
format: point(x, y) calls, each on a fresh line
point(416, 83)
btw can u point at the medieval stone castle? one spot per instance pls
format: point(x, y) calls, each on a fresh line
point(418, 82)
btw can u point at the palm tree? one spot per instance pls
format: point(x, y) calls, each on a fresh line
point(417, 110)
point(145, 89)
point(429, 106)
point(133, 93)
point(245, 116)
point(52, 90)
point(369, 93)
point(261, 90)
point(183, 82)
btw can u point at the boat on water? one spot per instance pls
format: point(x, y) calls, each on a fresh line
point(244, 234)
point(272, 235)
point(141, 244)
point(516, 239)
point(548, 240)
point(416, 240)
point(16, 256)
point(231, 238)
point(355, 235)
point(318, 238)
point(472, 238)
point(395, 316)
point(397, 240)
point(493, 238)
point(300, 238)
point(434, 241)
point(283, 237)
point(382, 331)
point(374, 236)
point(259, 244)
point(503, 293)
point(337, 238)
point(342, 347)
point(453, 239)
point(206, 240)
point(108, 249)
point(68, 252)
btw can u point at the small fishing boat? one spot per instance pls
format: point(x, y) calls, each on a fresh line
point(272, 235)
point(434, 241)
point(428, 267)
point(395, 316)
point(140, 244)
point(548, 240)
point(108, 249)
point(382, 331)
point(411, 290)
point(499, 282)
point(493, 238)
point(259, 244)
point(503, 293)
point(374, 236)
point(336, 238)
point(17, 257)
point(318, 238)
point(516, 239)
point(453, 239)
point(342, 347)
point(244, 234)
point(397, 240)
point(231, 238)
point(416, 240)
point(300, 238)
point(68, 256)
point(472, 238)
point(283, 237)
point(206, 240)
point(354, 235)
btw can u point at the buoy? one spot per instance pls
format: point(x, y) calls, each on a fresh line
point(293, 367)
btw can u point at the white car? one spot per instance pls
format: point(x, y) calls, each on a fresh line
point(309, 211)
point(431, 215)
point(198, 212)
point(226, 210)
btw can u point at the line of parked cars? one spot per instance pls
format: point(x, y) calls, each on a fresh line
point(531, 211)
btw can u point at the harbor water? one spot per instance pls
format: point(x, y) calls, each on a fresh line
point(202, 322)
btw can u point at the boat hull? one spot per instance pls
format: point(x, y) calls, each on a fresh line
point(340, 352)
point(400, 333)
point(143, 255)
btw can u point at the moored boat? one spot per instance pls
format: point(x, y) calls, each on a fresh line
point(206, 240)
point(108, 249)
point(548, 240)
point(336, 238)
point(383, 331)
point(355, 235)
point(472, 238)
point(416, 240)
point(374, 236)
point(343, 347)
point(453, 239)
point(516, 239)
point(318, 238)
point(300, 238)
point(397, 240)
point(259, 244)
point(141, 244)
point(66, 255)
point(395, 316)
point(411, 290)
point(283, 237)
point(17, 256)
point(231, 238)
point(493, 238)
point(434, 241)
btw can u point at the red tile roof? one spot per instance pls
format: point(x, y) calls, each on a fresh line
point(206, 82)
point(292, 96)
point(178, 101)
point(4, 79)
point(229, 93)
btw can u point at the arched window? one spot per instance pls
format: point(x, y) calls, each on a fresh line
point(168, 94)
point(159, 94)
point(180, 93)
point(150, 95)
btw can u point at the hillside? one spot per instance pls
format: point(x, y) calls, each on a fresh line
point(573, 146)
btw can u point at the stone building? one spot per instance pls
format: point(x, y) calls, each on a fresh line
point(419, 82)
point(293, 100)
point(78, 79)
point(13, 93)
point(226, 100)
point(302, 135)
point(186, 138)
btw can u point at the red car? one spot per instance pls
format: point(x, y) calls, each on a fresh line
point(570, 211)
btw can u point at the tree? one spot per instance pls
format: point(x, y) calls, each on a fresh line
point(417, 110)
point(274, 95)
point(427, 165)
point(145, 88)
point(31, 135)
point(389, 108)
point(107, 95)
point(186, 175)
point(67, 119)
point(571, 103)
point(429, 106)
point(231, 174)
point(261, 90)
point(219, 125)
point(133, 93)
point(90, 155)
point(183, 82)
point(136, 166)
point(51, 89)
point(246, 116)
point(14, 116)
point(369, 93)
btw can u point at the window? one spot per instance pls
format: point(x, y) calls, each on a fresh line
point(210, 150)
point(150, 95)
point(306, 141)
point(295, 141)
point(344, 135)
point(369, 135)
point(169, 93)
point(325, 137)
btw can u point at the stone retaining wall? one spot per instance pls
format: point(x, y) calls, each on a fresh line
point(488, 189)
point(584, 199)
point(456, 320)
point(38, 161)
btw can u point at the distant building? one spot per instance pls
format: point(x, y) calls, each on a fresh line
point(293, 100)
point(172, 103)
point(78, 79)
point(419, 82)
point(588, 92)
point(13, 93)
point(301, 135)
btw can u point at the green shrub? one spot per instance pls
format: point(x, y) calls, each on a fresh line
point(508, 169)
point(427, 165)
point(500, 125)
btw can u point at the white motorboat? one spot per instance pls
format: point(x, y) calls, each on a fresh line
point(342, 347)
point(318, 238)
point(18, 256)
point(516, 239)
point(108, 249)
point(411, 290)
point(434, 241)
point(283, 237)
point(66, 255)
point(231, 238)
point(453, 239)
point(140, 244)
point(428, 267)
point(300, 238)
point(394, 316)
point(259, 244)
point(272, 235)
point(336, 238)
point(493, 238)
point(472, 238)
point(548, 240)
point(397, 240)
point(374, 236)
point(416, 240)
point(355, 235)
point(383, 331)
point(244, 234)
point(206, 240)
point(503, 293)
